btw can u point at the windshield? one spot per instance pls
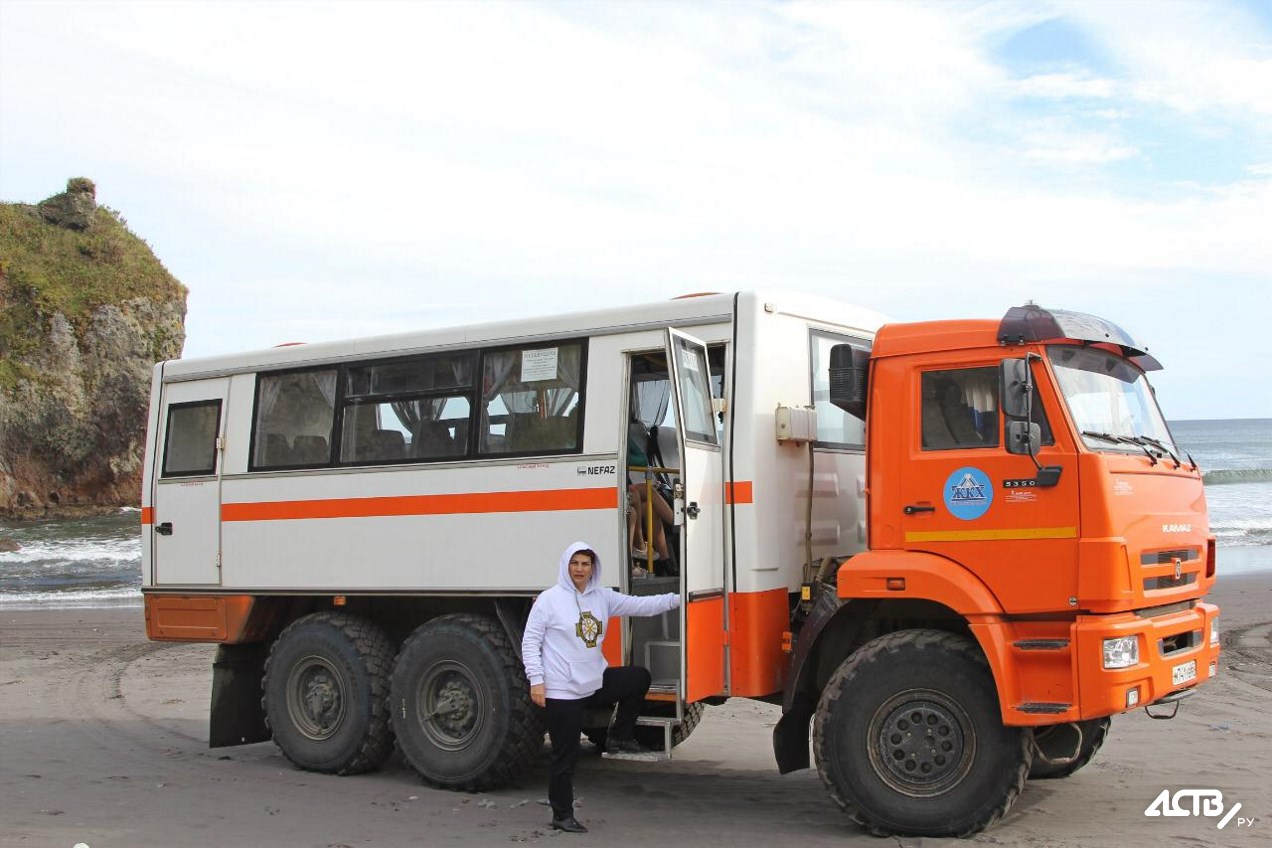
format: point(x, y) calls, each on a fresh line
point(1109, 398)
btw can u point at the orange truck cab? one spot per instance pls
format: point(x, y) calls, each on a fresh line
point(1038, 553)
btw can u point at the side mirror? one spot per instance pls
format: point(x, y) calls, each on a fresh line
point(1015, 386)
point(1023, 437)
point(849, 371)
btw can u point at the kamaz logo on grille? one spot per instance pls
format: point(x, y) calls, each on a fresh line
point(1176, 528)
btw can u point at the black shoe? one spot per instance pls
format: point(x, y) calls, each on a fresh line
point(625, 746)
point(569, 824)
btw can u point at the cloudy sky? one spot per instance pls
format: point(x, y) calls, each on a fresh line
point(321, 170)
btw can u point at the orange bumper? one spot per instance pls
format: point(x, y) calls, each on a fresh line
point(1052, 671)
point(1176, 652)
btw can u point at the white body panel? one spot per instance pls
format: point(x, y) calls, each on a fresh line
point(390, 529)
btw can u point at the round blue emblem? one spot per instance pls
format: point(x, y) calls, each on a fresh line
point(968, 493)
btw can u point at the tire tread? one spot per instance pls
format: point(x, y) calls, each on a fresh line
point(377, 653)
point(926, 640)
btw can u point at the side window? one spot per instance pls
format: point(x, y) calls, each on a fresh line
point(835, 428)
point(960, 409)
point(696, 388)
point(190, 443)
point(294, 416)
point(407, 410)
point(532, 399)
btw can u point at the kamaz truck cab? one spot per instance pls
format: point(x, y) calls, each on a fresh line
point(1038, 550)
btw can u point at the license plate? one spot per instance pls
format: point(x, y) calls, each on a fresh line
point(1183, 673)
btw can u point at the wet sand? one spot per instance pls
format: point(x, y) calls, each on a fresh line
point(103, 741)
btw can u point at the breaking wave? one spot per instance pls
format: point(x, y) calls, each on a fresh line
point(1237, 475)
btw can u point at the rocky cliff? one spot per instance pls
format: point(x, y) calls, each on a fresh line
point(86, 309)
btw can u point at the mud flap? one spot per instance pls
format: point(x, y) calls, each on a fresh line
point(237, 717)
point(790, 736)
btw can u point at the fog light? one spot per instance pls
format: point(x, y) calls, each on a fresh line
point(1121, 652)
point(1214, 633)
point(1132, 697)
point(1214, 669)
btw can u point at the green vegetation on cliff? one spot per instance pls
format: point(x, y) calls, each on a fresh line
point(51, 263)
point(86, 310)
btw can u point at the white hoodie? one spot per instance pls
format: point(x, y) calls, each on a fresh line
point(562, 644)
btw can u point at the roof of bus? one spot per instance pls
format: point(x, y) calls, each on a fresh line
point(686, 311)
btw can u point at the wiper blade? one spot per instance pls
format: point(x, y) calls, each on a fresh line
point(1161, 446)
point(1123, 440)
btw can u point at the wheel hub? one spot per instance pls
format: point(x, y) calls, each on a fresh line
point(919, 743)
point(450, 706)
point(315, 698)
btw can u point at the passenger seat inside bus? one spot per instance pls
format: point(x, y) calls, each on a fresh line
point(432, 439)
point(387, 444)
point(277, 451)
point(310, 450)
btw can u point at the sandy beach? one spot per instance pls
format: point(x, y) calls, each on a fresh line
point(103, 741)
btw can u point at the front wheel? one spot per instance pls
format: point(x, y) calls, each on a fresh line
point(461, 705)
point(909, 738)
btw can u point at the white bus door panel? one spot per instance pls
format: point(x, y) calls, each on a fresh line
point(185, 535)
point(699, 509)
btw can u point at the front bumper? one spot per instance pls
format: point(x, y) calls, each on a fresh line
point(1175, 654)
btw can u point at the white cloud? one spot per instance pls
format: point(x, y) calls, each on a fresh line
point(1077, 149)
point(1194, 57)
point(1065, 85)
point(339, 169)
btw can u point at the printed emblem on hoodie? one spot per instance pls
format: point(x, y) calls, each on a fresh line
point(589, 628)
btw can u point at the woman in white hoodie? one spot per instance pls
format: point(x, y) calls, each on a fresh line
point(561, 651)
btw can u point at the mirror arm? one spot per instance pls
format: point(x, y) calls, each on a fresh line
point(1047, 475)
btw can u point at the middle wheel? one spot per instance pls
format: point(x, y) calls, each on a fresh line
point(461, 706)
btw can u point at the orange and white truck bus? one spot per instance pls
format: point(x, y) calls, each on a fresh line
point(950, 550)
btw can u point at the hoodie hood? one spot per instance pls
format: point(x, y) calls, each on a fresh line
point(563, 579)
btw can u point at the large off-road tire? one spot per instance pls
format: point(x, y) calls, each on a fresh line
point(1094, 732)
point(650, 736)
point(324, 692)
point(461, 705)
point(909, 738)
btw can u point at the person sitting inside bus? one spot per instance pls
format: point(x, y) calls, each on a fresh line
point(637, 510)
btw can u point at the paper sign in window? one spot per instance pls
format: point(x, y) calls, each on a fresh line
point(537, 365)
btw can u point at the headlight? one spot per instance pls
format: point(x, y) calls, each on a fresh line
point(1122, 652)
point(1214, 632)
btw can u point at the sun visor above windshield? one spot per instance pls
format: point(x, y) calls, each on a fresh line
point(1032, 323)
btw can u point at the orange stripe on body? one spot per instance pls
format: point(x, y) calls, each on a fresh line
point(549, 500)
point(147, 515)
point(738, 493)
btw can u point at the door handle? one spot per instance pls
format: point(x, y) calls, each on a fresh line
point(911, 509)
point(692, 509)
point(164, 529)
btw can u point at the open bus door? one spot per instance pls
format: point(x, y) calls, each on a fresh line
point(699, 513)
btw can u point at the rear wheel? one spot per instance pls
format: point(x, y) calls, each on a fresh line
point(1057, 741)
point(461, 705)
point(909, 738)
point(323, 693)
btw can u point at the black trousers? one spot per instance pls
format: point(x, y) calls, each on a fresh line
point(624, 685)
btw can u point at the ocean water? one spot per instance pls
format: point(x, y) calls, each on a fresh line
point(97, 561)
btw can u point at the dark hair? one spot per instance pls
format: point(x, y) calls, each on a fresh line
point(591, 554)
